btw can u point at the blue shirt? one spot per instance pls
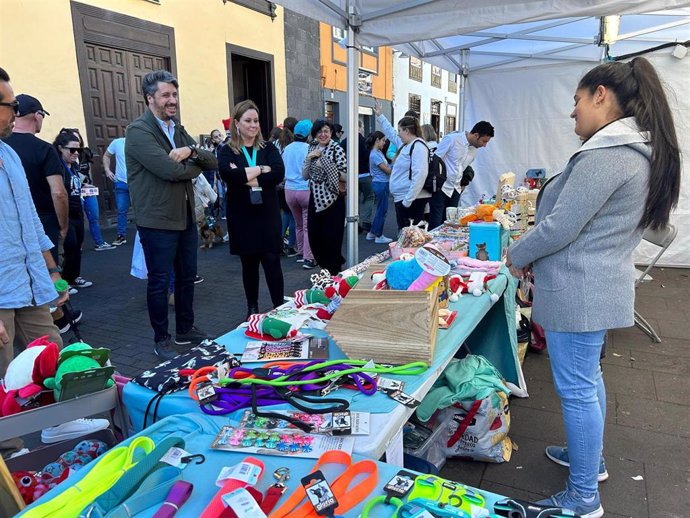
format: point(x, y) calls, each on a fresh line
point(24, 278)
point(168, 130)
point(376, 158)
point(117, 149)
point(293, 158)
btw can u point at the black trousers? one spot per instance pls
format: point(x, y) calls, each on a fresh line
point(415, 212)
point(326, 230)
point(438, 205)
point(270, 261)
point(166, 251)
point(71, 269)
point(51, 226)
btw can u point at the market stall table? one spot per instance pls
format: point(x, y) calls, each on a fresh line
point(487, 328)
point(198, 432)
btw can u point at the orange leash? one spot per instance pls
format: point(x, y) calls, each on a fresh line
point(347, 497)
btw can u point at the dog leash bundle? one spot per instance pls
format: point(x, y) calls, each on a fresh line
point(105, 473)
point(347, 495)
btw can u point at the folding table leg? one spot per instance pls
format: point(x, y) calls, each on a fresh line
point(646, 327)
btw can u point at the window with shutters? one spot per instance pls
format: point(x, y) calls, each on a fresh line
point(453, 83)
point(416, 69)
point(415, 103)
point(435, 76)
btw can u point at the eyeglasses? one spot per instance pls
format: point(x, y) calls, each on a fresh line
point(73, 150)
point(14, 105)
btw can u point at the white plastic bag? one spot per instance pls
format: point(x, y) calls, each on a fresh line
point(138, 269)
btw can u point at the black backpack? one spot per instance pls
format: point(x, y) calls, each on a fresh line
point(437, 170)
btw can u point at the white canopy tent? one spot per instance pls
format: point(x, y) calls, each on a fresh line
point(498, 45)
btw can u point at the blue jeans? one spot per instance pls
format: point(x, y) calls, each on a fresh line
point(289, 224)
point(91, 208)
point(381, 193)
point(579, 384)
point(122, 202)
point(168, 251)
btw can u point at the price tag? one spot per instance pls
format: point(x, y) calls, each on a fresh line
point(206, 393)
point(244, 472)
point(400, 484)
point(243, 504)
point(405, 399)
point(174, 457)
point(387, 384)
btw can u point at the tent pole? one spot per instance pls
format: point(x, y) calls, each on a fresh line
point(464, 55)
point(352, 217)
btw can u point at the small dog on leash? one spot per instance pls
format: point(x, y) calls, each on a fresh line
point(211, 232)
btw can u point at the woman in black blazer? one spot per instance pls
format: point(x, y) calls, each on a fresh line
point(252, 168)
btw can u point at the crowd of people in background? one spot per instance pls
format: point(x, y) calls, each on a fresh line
point(281, 196)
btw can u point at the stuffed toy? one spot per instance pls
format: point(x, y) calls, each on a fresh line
point(264, 327)
point(341, 286)
point(26, 374)
point(477, 285)
point(506, 219)
point(456, 286)
point(419, 273)
point(325, 297)
point(78, 357)
point(483, 212)
point(34, 484)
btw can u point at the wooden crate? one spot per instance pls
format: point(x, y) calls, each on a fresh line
point(387, 326)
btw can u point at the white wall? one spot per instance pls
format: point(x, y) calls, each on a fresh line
point(403, 86)
point(530, 109)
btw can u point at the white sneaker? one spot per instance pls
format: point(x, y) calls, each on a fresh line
point(104, 246)
point(73, 429)
point(382, 240)
point(370, 236)
point(80, 282)
point(73, 291)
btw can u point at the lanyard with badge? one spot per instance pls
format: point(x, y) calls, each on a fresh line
point(255, 196)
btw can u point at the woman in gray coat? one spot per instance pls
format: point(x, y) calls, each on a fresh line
point(625, 177)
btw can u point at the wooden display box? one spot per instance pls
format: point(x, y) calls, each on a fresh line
point(388, 326)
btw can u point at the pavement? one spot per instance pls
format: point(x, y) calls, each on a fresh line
point(647, 442)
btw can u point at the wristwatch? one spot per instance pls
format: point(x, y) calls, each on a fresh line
point(55, 269)
point(193, 150)
point(262, 169)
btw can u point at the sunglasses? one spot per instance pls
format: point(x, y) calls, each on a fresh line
point(73, 150)
point(14, 105)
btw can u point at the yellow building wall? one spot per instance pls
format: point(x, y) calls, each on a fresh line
point(39, 53)
point(334, 74)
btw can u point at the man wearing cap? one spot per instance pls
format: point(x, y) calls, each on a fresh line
point(43, 168)
point(297, 190)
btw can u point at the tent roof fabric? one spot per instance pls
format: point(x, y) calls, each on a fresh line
point(521, 33)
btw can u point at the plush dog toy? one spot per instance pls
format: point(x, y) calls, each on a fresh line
point(26, 375)
point(78, 357)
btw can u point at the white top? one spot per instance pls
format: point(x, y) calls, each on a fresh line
point(457, 154)
point(117, 149)
point(402, 188)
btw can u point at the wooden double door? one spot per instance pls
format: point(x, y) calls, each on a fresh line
point(114, 100)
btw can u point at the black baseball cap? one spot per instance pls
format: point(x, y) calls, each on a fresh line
point(29, 104)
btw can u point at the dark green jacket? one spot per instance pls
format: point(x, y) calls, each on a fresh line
point(159, 187)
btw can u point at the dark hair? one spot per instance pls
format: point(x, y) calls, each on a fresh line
point(290, 123)
point(320, 123)
point(429, 133)
point(412, 113)
point(282, 136)
point(483, 128)
point(149, 83)
point(4, 76)
point(63, 138)
point(639, 93)
point(411, 124)
point(337, 128)
point(373, 137)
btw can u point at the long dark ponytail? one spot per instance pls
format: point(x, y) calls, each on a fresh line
point(640, 94)
point(373, 137)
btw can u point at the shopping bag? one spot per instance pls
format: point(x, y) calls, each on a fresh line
point(138, 268)
point(477, 430)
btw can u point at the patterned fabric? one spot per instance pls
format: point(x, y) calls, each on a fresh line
point(325, 174)
point(166, 377)
point(255, 322)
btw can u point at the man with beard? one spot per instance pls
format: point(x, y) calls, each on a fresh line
point(162, 159)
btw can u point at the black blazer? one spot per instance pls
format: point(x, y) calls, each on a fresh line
point(253, 229)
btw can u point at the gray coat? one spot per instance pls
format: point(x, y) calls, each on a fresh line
point(586, 228)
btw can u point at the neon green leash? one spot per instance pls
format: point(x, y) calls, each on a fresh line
point(409, 369)
point(104, 474)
